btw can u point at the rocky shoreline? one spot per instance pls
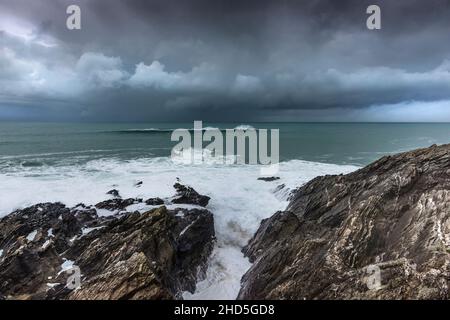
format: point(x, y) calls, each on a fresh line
point(157, 254)
point(382, 232)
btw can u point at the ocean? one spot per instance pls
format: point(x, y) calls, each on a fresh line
point(73, 163)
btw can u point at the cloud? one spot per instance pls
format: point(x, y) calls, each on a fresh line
point(20, 77)
point(168, 60)
point(408, 111)
point(247, 84)
point(100, 71)
point(205, 86)
point(202, 77)
point(29, 79)
point(365, 86)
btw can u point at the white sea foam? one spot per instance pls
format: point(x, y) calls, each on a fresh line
point(238, 200)
point(166, 130)
point(144, 130)
point(244, 127)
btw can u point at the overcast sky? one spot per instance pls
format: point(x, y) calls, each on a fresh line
point(227, 60)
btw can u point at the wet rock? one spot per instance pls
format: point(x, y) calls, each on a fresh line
point(188, 195)
point(154, 201)
point(26, 264)
point(195, 230)
point(117, 203)
point(268, 179)
point(381, 232)
point(153, 255)
point(114, 193)
point(85, 214)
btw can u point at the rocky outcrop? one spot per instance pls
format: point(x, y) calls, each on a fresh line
point(382, 232)
point(152, 255)
point(117, 203)
point(154, 201)
point(188, 195)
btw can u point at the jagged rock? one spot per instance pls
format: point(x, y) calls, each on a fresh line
point(391, 218)
point(188, 195)
point(268, 179)
point(154, 201)
point(117, 203)
point(27, 263)
point(85, 214)
point(114, 193)
point(153, 255)
point(195, 229)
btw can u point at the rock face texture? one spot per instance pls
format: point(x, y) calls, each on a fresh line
point(152, 255)
point(189, 196)
point(117, 203)
point(382, 232)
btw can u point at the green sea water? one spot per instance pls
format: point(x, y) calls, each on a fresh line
point(35, 144)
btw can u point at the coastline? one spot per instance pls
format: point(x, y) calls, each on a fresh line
point(371, 216)
point(237, 213)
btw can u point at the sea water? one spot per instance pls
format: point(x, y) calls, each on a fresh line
point(73, 163)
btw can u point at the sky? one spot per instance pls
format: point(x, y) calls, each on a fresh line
point(225, 60)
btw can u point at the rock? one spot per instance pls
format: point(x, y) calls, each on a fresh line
point(339, 233)
point(188, 195)
point(154, 255)
point(138, 184)
point(154, 201)
point(28, 264)
point(114, 192)
point(195, 231)
point(269, 179)
point(85, 214)
point(117, 203)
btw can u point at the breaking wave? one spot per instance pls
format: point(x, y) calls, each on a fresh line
point(238, 210)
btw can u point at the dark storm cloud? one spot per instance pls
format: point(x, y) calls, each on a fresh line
point(222, 60)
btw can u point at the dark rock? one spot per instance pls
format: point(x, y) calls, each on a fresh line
point(138, 184)
point(154, 201)
point(26, 264)
point(188, 195)
point(269, 179)
point(117, 203)
point(114, 192)
point(391, 217)
point(85, 214)
point(153, 255)
point(195, 230)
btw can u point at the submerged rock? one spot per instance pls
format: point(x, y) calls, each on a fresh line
point(188, 195)
point(268, 179)
point(153, 255)
point(382, 232)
